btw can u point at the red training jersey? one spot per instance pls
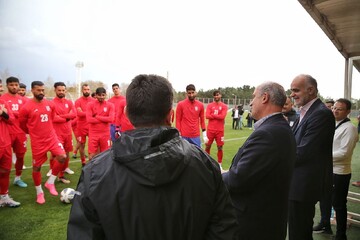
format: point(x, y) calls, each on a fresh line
point(116, 100)
point(189, 116)
point(216, 113)
point(15, 102)
point(5, 139)
point(64, 113)
point(36, 118)
point(121, 119)
point(80, 106)
point(99, 115)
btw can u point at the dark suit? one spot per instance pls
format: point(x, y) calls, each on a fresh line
point(313, 168)
point(259, 179)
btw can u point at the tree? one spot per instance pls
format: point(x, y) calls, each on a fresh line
point(94, 84)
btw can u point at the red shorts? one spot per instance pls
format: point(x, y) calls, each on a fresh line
point(75, 131)
point(82, 133)
point(66, 141)
point(5, 158)
point(39, 157)
point(96, 142)
point(218, 136)
point(18, 142)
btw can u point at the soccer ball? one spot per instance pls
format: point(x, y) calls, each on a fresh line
point(67, 195)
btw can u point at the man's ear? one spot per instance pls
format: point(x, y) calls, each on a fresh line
point(169, 116)
point(265, 97)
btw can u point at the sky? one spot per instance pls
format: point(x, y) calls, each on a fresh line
point(209, 43)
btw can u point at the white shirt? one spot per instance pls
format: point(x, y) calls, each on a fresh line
point(236, 114)
point(345, 139)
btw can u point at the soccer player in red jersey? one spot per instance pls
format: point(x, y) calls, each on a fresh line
point(121, 118)
point(82, 124)
point(36, 118)
point(116, 99)
point(64, 113)
point(6, 116)
point(189, 116)
point(22, 90)
point(18, 136)
point(216, 114)
point(99, 114)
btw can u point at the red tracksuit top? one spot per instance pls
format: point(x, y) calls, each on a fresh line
point(99, 116)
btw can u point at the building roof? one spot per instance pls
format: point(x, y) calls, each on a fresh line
point(340, 21)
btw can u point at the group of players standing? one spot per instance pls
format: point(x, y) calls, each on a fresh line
point(50, 125)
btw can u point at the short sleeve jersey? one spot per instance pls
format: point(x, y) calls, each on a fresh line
point(121, 119)
point(36, 118)
point(82, 103)
point(15, 102)
point(216, 113)
point(64, 113)
point(5, 140)
point(116, 100)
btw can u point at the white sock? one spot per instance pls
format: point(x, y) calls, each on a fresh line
point(38, 189)
point(17, 178)
point(51, 179)
point(13, 158)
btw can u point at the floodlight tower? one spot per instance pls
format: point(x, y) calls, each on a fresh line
point(79, 65)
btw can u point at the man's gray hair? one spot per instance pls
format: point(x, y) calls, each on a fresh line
point(276, 92)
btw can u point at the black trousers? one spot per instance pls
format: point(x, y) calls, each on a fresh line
point(301, 215)
point(325, 208)
point(339, 200)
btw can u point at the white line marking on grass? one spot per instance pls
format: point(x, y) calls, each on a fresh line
point(234, 139)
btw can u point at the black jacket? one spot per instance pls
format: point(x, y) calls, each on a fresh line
point(259, 180)
point(313, 168)
point(152, 184)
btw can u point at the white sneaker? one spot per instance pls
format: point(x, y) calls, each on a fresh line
point(69, 171)
point(49, 173)
point(8, 201)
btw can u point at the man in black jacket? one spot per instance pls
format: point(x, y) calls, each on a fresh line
point(152, 184)
point(260, 174)
point(313, 170)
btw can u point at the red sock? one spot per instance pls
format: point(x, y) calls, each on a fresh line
point(220, 155)
point(57, 167)
point(36, 178)
point(83, 160)
point(4, 182)
point(19, 164)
